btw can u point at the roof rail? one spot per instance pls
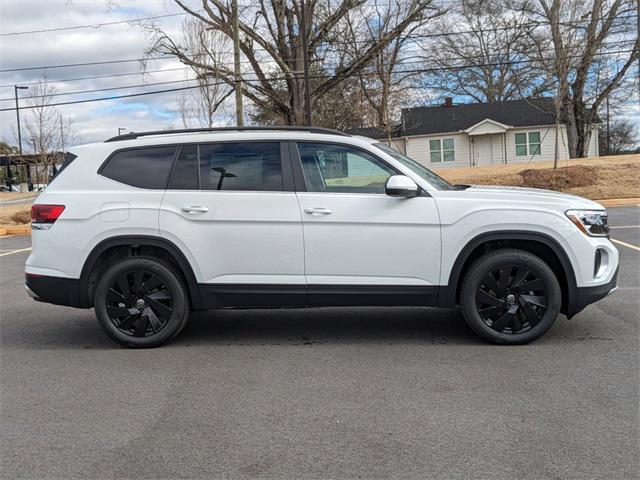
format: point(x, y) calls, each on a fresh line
point(134, 135)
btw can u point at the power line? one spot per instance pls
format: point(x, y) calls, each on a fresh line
point(95, 77)
point(344, 42)
point(402, 62)
point(106, 62)
point(423, 70)
point(115, 97)
point(167, 57)
point(119, 22)
point(106, 89)
point(95, 25)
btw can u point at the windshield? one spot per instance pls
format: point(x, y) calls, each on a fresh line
point(423, 172)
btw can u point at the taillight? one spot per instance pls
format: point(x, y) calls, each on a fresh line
point(43, 216)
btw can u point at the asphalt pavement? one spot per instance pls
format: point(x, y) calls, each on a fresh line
point(405, 393)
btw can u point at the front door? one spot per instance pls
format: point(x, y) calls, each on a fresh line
point(483, 149)
point(362, 246)
point(231, 209)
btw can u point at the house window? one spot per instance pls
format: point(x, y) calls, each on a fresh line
point(442, 150)
point(527, 144)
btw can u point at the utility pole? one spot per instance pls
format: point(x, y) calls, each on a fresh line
point(35, 152)
point(305, 59)
point(236, 65)
point(608, 132)
point(15, 90)
point(61, 134)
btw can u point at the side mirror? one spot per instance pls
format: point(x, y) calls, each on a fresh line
point(401, 186)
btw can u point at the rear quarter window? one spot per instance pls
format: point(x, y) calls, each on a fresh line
point(68, 158)
point(147, 167)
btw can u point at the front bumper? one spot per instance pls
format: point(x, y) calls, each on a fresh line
point(588, 295)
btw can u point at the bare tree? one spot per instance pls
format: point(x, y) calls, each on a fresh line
point(622, 137)
point(271, 44)
point(201, 105)
point(594, 44)
point(383, 82)
point(481, 51)
point(46, 129)
point(343, 107)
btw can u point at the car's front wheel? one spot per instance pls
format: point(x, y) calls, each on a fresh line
point(141, 302)
point(510, 297)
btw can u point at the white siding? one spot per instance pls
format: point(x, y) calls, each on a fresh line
point(497, 148)
point(418, 149)
point(399, 144)
point(547, 144)
point(594, 146)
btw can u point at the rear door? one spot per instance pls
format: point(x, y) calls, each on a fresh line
point(362, 246)
point(230, 206)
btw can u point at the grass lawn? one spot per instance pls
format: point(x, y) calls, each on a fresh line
point(595, 178)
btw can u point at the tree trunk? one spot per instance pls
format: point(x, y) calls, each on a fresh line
point(572, 133)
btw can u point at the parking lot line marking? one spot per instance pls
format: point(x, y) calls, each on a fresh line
point(627, 226)
point(625, 244)
point(27, 249)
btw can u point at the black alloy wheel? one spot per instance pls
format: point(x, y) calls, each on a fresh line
point(510, 296)
point(511, 299)
point(141, 302)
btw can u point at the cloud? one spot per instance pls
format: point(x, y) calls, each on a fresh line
point(99, 120)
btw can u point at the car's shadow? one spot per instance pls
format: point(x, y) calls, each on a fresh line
point(328, 325)
point(78, 329)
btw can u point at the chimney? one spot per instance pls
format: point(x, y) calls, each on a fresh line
point(448, 101)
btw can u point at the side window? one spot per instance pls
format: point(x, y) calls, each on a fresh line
point(440, 150)
point(342, 169)
point(534, 143)
point(185, 173)
point(521, 144)
point(527, 144)
point(252, 166)
point(141, 167)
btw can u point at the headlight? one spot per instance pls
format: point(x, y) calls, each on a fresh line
point(590, 222)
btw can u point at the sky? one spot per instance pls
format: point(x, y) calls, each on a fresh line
point(99, 120)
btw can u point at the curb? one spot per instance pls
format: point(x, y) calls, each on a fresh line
point(15, 230)
point(619, 202)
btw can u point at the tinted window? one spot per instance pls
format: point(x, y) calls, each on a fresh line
point(431, 177)
point(141, 167)
point(185, 173)
point(68, 158)
point(338, 168)
point(240, 166)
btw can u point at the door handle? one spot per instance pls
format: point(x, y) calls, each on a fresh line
point(194, 209)
point(318, 211)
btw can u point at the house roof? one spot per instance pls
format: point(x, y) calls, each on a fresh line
point(440, 119)
point(374, 132)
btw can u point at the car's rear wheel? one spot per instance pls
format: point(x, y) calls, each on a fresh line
point(510, 297)
point(141, 302)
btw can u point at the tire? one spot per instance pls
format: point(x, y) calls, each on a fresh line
point(141, 302)
point(510, 297)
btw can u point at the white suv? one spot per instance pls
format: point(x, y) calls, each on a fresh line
point(146, 227)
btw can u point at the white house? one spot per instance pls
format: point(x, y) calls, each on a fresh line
point(481, 133)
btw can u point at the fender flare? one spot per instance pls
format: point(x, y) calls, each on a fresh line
point(448, 299)
point(139, 240)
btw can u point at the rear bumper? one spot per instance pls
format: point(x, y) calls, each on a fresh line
point(56, 290)
point(587, 295)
